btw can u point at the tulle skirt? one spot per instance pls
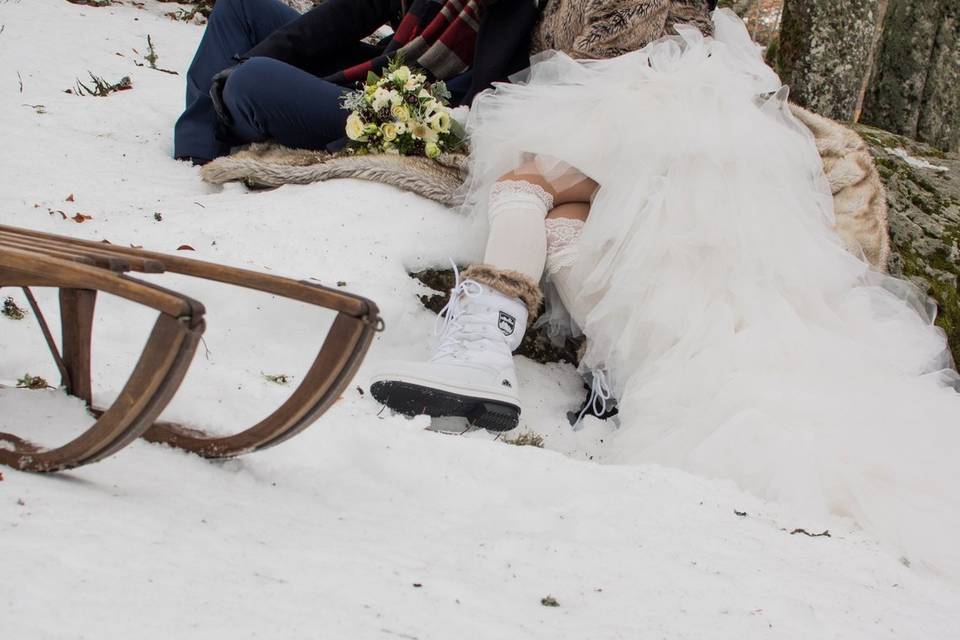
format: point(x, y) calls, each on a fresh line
point(741, 339)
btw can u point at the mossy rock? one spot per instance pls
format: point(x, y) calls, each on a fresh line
point(924, 217)
point(536, 345)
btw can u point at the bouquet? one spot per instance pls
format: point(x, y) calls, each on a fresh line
point(401, 113)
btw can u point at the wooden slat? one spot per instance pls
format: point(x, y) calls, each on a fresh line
point(113, 263)
point(26, 268)
point(101, 252)
point(297, 290)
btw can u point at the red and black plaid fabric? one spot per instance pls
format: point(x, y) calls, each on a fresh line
point(436, 35)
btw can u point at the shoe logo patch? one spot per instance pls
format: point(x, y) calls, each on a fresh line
point(507, 323)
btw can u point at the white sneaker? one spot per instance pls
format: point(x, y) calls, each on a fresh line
point(471, 373)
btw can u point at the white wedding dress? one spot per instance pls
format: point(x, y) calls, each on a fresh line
point(740, 337)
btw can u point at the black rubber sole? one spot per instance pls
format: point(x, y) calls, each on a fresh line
point(415, 400)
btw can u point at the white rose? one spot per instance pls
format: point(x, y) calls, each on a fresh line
point(400, 112)
point(355, 128)
point(389, 131)
point(401, 75)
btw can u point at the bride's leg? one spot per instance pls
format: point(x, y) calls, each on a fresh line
point(516, 248)
point(471, 372)
point(564, 225)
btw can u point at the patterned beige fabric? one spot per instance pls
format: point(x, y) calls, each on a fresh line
point(596, 29)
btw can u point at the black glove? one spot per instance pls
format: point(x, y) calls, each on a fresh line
point(216, 95)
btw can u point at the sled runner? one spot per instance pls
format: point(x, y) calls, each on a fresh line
point(80, 269)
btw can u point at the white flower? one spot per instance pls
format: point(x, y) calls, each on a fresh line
point(421, 131)
point(400, 112)
point(381, 98)
point(401, 128)
point(355, 128)
point(401, 75)
point(432, 150)
point(440, 122)
point(389, 131)
point(431, 108)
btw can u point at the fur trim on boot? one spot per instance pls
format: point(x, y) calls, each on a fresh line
point(510, 283)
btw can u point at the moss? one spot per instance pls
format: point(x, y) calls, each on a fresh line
point(917, 268)
point(12, 310)
point(32, 382)
point(526, 439)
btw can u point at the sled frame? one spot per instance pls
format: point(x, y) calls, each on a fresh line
point(81, 268)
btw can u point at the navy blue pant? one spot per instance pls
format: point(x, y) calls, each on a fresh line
point(266, 99)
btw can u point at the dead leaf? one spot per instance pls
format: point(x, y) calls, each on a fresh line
point(70, 198)
point(136, 246)
point(185, 247)
point(81, 217)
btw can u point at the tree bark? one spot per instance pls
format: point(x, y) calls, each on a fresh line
point(824, 55)
point(914, 87)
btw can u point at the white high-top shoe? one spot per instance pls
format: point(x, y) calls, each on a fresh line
point(471, 373)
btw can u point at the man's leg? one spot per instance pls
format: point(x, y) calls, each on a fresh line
point(471, 374)
point(272, 100)
point(235, 26)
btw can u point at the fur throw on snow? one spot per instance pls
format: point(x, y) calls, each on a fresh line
point(267, 165)
point(859, 198)
point(597, 29)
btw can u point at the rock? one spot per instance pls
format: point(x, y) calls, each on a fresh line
point(913, 88)
point(824, 53)
point(923, 196)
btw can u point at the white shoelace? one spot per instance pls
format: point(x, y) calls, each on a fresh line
point(599, 394)
point(449, 325)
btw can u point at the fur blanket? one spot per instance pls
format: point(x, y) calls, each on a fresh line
point(860, 201)
point(267, 165)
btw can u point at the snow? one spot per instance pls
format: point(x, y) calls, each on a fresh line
point(919, 163)
point(367, 525)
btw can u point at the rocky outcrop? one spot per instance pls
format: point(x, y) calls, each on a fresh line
point(825, 53)
point(923, 197)
point(914, 86)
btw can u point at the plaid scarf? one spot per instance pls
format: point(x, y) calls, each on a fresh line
point(437, 35)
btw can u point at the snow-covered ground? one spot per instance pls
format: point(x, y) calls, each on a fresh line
point(367, 525)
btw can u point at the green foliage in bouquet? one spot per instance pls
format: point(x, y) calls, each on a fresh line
point(401, 113)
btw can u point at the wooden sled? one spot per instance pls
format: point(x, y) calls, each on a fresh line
point(80, 269)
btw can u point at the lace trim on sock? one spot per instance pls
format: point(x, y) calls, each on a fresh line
point(521, 186)
point(563, 234)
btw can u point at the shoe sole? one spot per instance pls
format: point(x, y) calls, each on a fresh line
point(416, 400)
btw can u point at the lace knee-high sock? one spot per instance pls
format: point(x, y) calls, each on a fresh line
point(562, 236)
point(516, 247)
point(516, 241)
